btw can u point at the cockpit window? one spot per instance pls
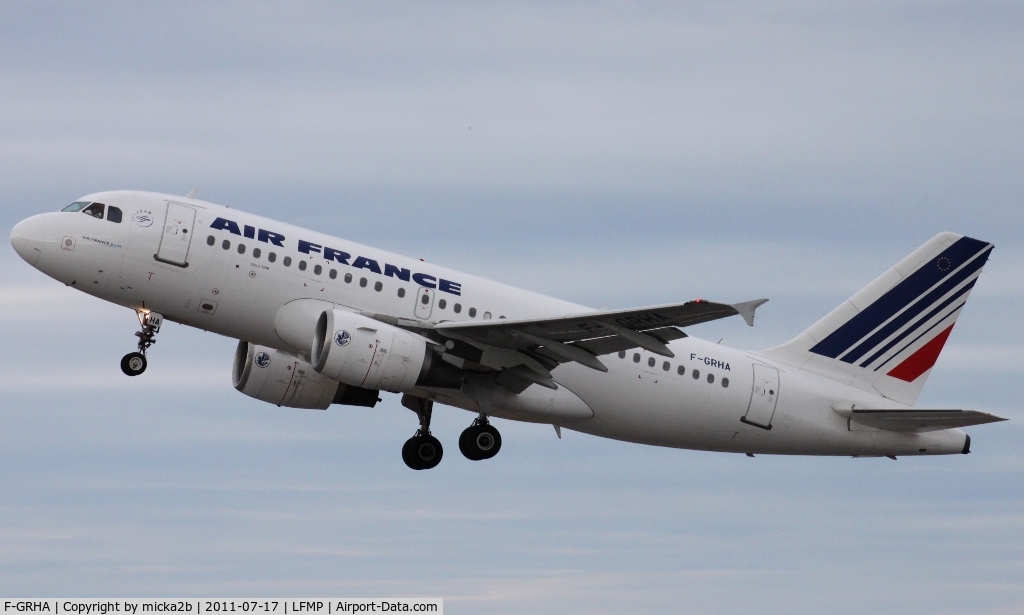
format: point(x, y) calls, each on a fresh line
point(76, 206)
point(114, 214)
point(95, 210)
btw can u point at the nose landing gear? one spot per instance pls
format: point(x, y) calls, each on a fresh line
point(422, 451)
point(134, 363)
point(480, 440)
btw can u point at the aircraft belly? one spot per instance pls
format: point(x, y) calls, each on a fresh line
point(647, 407)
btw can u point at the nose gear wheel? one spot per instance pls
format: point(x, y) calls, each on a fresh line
point(134, 363)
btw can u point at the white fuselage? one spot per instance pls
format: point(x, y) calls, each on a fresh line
point(641, 398)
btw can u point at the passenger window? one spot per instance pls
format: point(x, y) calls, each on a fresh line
point(487, 315)
point(226, 245)
point(472, 312)
point(681, 370)
point(442, 304)
point(256, 252)
point(348, 278)
point(272, 257)
point(362, 282)
point(287, 261)
point(665, 366)
point(114, 214)
point(636, 357)
point(211, 240)
point(377, 286)
point(651, 362)
point(77, 206)
point(401, 293)
point(302, 265)
point(425, 299)
point(622, 354)
point(241, 248)
point(696, 374)
point(711, 378)
point(333, 274)
point(457, 308)
point(95, 210)
point(317, 270)
point(725, 383)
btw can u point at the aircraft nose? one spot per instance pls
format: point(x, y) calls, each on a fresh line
point(28, 238)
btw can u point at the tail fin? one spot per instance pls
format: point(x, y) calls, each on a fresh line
point(887, 337)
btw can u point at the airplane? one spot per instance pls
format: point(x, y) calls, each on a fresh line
point(323, 320)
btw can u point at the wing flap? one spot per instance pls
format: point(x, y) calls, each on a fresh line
point(917, 420)
point(520, 346)
point(590, 325)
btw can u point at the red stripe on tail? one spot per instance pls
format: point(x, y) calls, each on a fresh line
point(921, 361)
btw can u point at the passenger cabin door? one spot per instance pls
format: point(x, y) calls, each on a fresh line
point(424, 303)
point(177, 235)
point(763, 397)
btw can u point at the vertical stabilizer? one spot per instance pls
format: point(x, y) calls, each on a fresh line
point(887, 337)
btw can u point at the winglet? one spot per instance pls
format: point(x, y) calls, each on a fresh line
point(747, 309)
point(192, 193)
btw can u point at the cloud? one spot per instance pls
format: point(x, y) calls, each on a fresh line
point(599, 152)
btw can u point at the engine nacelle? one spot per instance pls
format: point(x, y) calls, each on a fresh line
point(370, 354)
point(286, 380)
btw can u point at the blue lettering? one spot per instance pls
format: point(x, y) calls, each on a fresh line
point(727, 368)
point(226, 225)
point(424, 280)
point(305, 247)
point(366, 263)
point(275, 238)
point(249, 231)
point(450, 287)
point(395, 272)
point(337, 255)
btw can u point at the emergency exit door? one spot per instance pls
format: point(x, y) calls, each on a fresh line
point(764, 395)
point(424, 303)
point(177, 235)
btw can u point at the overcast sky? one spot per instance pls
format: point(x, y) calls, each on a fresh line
point(626, 153)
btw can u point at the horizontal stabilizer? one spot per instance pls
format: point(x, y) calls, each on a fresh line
point(917, 420)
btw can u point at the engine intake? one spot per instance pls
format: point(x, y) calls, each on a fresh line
point(284, 379)
point(367, 353)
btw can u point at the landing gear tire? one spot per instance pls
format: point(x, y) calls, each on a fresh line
point(422, 452)
point(480, 441)
point(133, 363)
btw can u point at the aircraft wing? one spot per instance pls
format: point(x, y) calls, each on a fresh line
point(918, 420)
point(531, 347)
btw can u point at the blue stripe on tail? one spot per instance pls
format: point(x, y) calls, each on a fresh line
point(921, 305)
point(920, 323)
point(900, 296)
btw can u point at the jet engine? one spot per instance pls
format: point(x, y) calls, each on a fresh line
point(367, 353)
point(284, 379)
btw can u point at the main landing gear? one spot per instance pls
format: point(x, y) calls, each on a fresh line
point(134, 363)
point(480, 440)
point(422, 451)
